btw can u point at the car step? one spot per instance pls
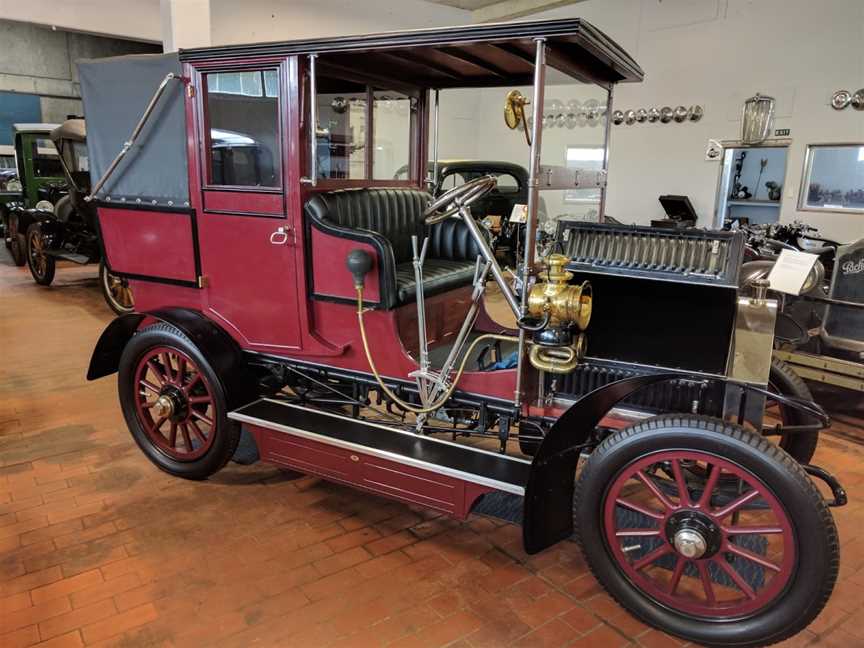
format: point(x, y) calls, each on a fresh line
point(375, 457)
point(80, 259)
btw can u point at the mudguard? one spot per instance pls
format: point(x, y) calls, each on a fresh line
point(221, 351)
point(547, 515)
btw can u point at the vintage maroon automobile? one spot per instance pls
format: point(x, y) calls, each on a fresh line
point(285, 281)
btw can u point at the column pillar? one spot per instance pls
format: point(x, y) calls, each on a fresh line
point(185, 24)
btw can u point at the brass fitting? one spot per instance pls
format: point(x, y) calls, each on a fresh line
point(557, 360)
point(565, 303)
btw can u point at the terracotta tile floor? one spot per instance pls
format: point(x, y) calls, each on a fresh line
point(97, 547)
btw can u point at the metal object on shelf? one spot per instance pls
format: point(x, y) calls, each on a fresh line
point(617, 117)
point(858, 100)
point(653, 114)
point(630, 117)
point(841, 99)
point(695, 113)
point(641, 115)
point(756, 117)
point(679, 114)
point(666, 114)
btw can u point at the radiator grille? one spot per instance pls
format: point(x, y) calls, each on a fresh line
point(696, 254)
point(670, 396)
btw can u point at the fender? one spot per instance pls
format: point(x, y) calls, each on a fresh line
point(547, 515)
point(220, 349)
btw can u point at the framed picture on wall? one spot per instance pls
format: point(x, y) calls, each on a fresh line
point(588, 158)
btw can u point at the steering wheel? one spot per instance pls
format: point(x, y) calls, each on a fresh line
point(454, 199)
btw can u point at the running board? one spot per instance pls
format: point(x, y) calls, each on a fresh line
point(80, 259)
point(375, 457)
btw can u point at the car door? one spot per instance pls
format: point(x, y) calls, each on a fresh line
point(246, 233)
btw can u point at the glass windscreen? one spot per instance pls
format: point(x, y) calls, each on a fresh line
point(46, 161)
point(472, 127)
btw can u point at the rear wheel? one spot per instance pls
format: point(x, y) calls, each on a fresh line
point(175, 404)
point(116, 291)
point(42, 266)
point(17, 241)
point(742, 551)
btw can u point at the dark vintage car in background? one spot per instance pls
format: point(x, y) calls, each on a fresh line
point(63, 226)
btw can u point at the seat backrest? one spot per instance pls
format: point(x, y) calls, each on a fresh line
point(396, 214)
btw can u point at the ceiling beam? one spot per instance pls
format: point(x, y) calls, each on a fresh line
point(510, 9)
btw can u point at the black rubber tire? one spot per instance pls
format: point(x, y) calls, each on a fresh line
point(227, 431)
point(17, 242)
point(818, 552)
point(801, 445)
point(113, 304)
point(42, 278)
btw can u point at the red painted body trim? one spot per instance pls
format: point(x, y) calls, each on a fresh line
point(373, 474)
point(239, 201)
point(149, 243)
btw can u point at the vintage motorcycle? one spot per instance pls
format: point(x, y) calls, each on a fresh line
point(338, 317)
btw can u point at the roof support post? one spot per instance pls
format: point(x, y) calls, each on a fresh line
point(533, 201)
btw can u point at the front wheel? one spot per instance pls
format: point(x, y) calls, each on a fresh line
point(175, 404)
point(42, 266)
point(17, 241)
point(116, 291)
point(706, 531)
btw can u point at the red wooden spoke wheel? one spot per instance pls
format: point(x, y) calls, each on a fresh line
point(707, 531)
point(700, 546)
point(175, 403)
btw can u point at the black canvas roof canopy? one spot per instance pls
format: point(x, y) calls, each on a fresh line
point(470, 56)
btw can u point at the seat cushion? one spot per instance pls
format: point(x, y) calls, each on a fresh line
point(439, 275)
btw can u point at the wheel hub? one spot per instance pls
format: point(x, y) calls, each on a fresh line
point(171, 404)
point(693, 534)
point(164, 406)
point(689, 543)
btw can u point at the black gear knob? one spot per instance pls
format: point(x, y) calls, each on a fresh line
point(359, 263)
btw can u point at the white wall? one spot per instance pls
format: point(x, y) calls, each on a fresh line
point(253, 21)
point(133, 19)
point(716, 53)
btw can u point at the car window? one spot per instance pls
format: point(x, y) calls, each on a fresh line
point(507, 183)
point(242, 110)
point(46, 161)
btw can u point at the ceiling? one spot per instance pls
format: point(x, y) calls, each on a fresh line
point(498, 10)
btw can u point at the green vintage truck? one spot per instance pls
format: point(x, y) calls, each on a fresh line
point(39, 179)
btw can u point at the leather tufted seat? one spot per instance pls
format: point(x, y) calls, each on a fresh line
point(386, 219)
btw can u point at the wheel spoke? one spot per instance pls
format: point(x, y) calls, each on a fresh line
point(181, 371)
point(172, 437)
point(747, 555)
point(637, 532)
point(710, 485)
point(157, 372)
point(159, 423)
point(196, 430)
point(186, 438)
point(166, 363)
point(192, 382)
point(707, 587)
point(680, 564)
point(148, 385)
point(646, 560)
point(197, 400)
point(202, 417)
point(752, 530)
point(735, 504)
point(683, 493)
point(633, 506)
point(650, 485)
point(740, 583)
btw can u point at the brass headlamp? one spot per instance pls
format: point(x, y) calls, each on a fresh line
point(566, 307)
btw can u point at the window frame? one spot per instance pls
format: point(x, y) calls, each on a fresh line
point(415, 133)
point(204, 139)
point(803, 189)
